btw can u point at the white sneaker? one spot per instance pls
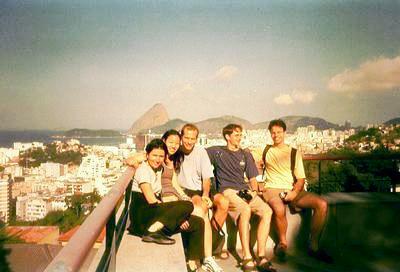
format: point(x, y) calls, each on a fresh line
point(210, 265)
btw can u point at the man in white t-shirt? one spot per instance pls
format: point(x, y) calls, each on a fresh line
point(195, 176)
point(284, 184)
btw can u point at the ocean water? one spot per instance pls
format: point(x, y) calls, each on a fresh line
point(8, 137)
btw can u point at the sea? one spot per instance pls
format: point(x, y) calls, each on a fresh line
point(8, 137)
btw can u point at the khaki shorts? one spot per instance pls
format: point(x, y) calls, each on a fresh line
point(237, 205)
point(270, 193)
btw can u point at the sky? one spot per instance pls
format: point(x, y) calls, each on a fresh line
point(102, 64)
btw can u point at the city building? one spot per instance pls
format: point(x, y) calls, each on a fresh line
point(4, 199)
point(91, 167)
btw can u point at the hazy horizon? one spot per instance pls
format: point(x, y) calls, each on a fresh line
point(101, 65)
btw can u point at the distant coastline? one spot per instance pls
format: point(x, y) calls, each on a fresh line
point(8, 137)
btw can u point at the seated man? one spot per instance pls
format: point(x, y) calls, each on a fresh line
point(231, 163)
point(284, 184)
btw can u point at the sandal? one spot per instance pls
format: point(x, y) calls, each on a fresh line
point(246, 265)
point(263, 265)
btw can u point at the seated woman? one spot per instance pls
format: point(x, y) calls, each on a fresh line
point(153, 220)
point(171, 191)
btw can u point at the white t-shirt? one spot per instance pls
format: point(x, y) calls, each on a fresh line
point(278, 173)
point(145, 174)
point(195, 167)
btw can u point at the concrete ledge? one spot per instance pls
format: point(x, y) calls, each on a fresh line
point(134, 255)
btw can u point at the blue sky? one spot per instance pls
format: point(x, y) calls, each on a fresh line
point(101, 64)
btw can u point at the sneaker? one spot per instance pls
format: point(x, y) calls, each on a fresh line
point(321, 255)
point(158, 238)
point(210, 265)
point(280, 251)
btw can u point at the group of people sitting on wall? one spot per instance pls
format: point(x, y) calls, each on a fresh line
point(172, 192)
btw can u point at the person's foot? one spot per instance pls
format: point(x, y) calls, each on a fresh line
point(223, 255)
point(321, 255)
point(210, 265)
point(191, 268)
point(158, 238)
point(280, 251)
point(248, 265)
point(263, 265)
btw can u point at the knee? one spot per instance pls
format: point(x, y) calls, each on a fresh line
point(322, 206)
point(222, 203)
point(245, 212)
point(187, 207)
point(267, 212)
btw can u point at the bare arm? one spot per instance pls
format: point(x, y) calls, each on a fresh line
point(297, 188)
point(206, 187)
point(177, 187)
point(253, 184)
point(148, 193)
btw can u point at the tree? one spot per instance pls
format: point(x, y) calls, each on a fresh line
point(4, 266)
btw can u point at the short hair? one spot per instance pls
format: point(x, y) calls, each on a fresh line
point(229, 129)
point(189, 126)
point(278, 123)
point(156, 144)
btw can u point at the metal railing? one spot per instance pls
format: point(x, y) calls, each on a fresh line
point(74, 254)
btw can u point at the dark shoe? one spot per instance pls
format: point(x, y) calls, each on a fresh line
point(280, 251)
point(158, 238)
point(263, 265)
point(248, 265)
point(320, 255)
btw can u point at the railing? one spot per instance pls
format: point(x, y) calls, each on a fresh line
point(394, 157)
point(74, 254)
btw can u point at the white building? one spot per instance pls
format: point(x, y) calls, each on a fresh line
point(37, 208)
point(52, 169)
point(78, 187)
point(91, 167)
point(25, 146)
point(4, 199)
point(7, 154)
point(21, 207)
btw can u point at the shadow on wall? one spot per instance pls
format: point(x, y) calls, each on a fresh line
point(362, 234)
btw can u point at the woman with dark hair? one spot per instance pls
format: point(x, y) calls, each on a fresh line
point(154, 220)
point(173, 192)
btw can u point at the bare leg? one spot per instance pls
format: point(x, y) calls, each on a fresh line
point(200, 212)
point(244, 232)
point(279, 209)
point(320, 210)
point(263, 231)
point(222, 204)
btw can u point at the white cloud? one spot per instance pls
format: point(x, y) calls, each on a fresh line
point(226, 72)
point(283, 99)
point(375, 75)
point(303, 96)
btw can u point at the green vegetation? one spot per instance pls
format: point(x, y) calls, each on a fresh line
point(4, 266)
point(79, 206)
point(374, 135)
point(34, 157)
point(356, 175)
